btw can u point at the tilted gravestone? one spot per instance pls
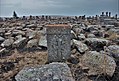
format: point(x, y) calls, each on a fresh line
point(58, 41)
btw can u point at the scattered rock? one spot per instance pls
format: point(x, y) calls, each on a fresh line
point(31, 26)
point(19, 42)
point(43, 41)
point(2, 50)
point(81, 47)
point(7, 66)
point(81, 37)
point(33, 42)
point(73, 60)
point(91, 36)
point(96, 43)
point(1, 39)
point(113, 50)
point(73, 35)
point(7, 42)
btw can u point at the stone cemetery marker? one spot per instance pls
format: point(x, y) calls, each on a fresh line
point(58, 41)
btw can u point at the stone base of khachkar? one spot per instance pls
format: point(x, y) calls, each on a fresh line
point(50, 72)
point(59, 42)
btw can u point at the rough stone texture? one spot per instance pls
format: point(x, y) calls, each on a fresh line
point(18, 32)
point(98, 63)
point(2, 50)
point(91, 36)
point(19, 42)
point(33, 42)
point(7, 42)
point(1, 39)
point(43, 41)
point(31, 34)
point(81, 47)
point(113, 50)
point(81, 37)
point(50, 72)
point(58, 40)
point(73, 35)
point(96, 43)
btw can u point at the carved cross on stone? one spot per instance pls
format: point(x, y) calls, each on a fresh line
point(59, 42)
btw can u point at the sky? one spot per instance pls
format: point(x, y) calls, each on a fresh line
point(57, 7)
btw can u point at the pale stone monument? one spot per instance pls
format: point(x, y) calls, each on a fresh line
point(59, 42)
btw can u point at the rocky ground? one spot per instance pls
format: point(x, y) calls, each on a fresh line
point(94, 49)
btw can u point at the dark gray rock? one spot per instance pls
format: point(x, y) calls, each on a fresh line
point(113, 50)
point(96, 43)
point(1, 39)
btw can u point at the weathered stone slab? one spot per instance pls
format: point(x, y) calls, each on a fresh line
point(59, 42)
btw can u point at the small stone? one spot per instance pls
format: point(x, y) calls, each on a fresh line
point(7, 42)
point(81, 47)
point(43, 41)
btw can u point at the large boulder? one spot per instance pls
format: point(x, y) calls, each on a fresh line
point(81, 47)
point(96, 43)
point(98, 63)
point(50, 72)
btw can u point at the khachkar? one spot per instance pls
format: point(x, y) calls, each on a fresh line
point(59, 42)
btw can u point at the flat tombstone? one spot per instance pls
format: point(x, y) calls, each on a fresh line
point(58, 41)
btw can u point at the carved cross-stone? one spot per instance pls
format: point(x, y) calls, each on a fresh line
point(58, 41)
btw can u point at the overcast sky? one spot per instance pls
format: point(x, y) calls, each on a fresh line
point(57, 7)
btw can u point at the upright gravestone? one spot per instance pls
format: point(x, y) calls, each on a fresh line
point(58, 41)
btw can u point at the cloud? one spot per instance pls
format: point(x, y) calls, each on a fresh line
point(61, 7)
